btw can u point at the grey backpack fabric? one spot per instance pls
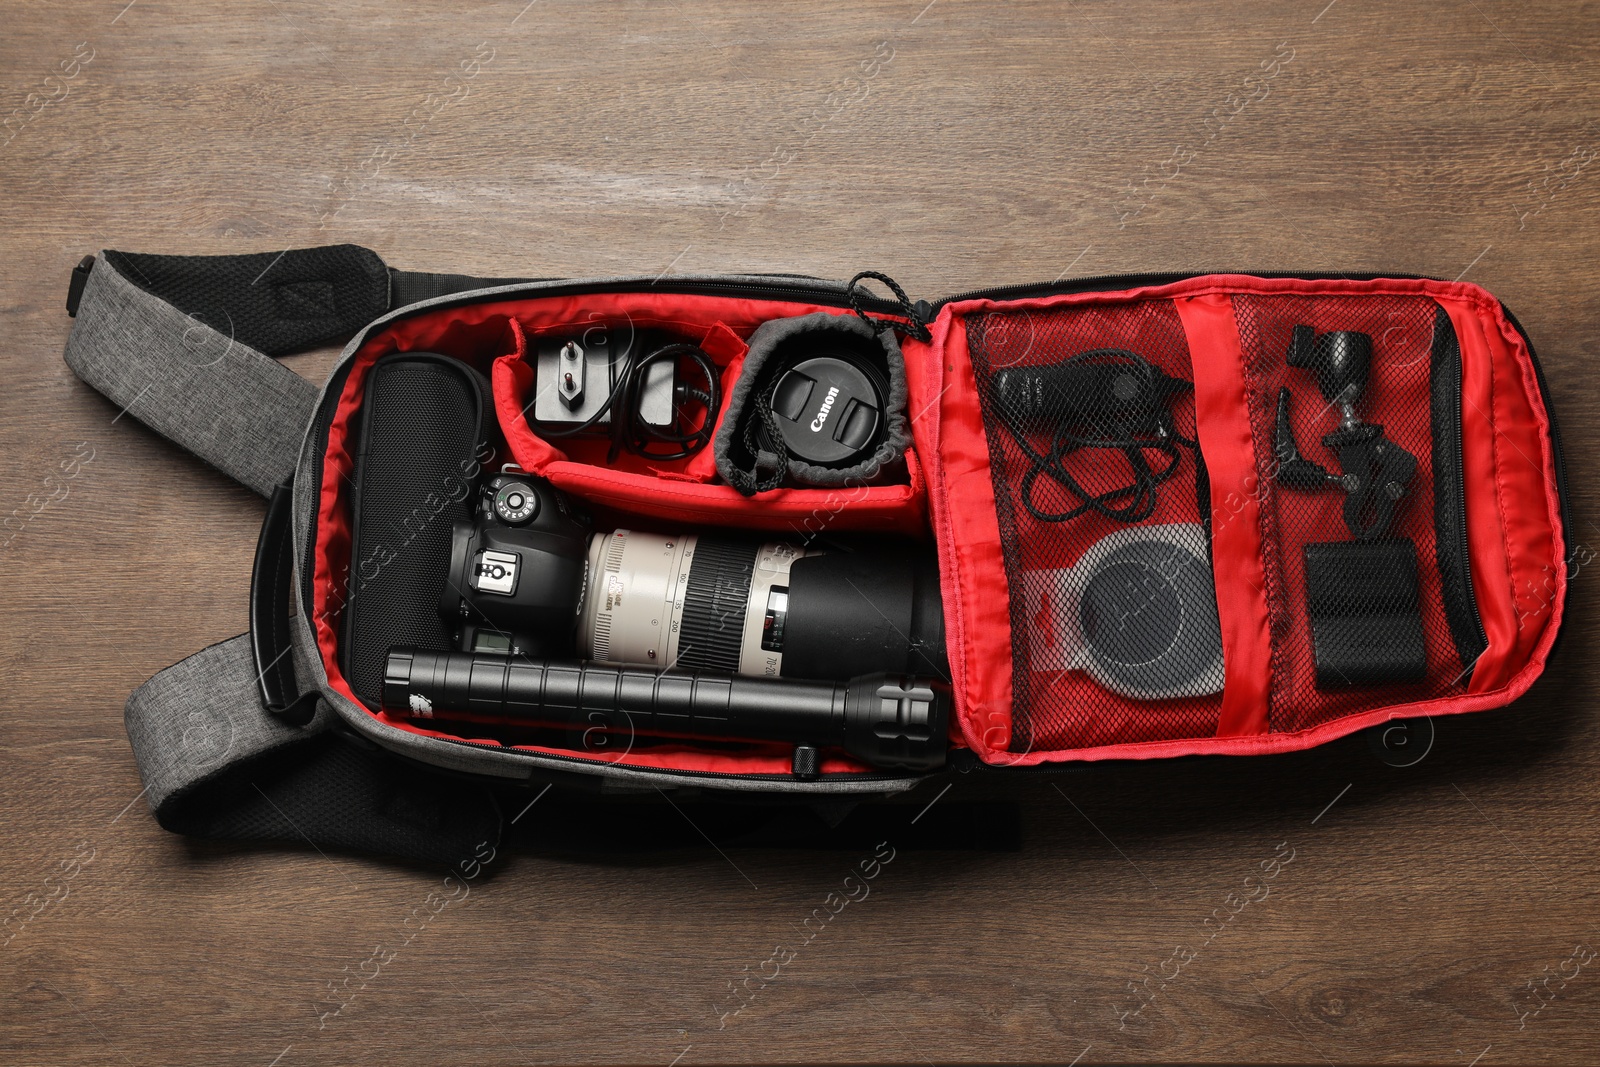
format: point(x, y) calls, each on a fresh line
point(215, 761)
point(185, 379)
point(217, 764)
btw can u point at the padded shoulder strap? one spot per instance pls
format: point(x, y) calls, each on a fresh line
point(216, 763)
point(196, 385)
point(184, 343)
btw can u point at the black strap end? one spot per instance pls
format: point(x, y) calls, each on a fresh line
point(75, 285)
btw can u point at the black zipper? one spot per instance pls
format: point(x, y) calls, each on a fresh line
point(1459, 598)
point(836, 776)
point(1107, 282)
point(1461, 493)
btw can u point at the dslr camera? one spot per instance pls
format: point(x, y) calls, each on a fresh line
point(530, 577)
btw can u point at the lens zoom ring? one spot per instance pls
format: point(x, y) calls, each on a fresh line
point(714, 604)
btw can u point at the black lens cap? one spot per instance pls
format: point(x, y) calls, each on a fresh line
point(830, 410)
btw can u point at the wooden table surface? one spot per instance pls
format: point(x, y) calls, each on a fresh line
point(1432, 913)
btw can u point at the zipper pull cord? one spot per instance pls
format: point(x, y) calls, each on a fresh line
point(915, 326)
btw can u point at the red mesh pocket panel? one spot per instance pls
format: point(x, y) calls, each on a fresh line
point(1102, 504)
point(1397, 397)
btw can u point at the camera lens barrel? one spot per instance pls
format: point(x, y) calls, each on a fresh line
point(852, 613)
point(768, 610)
point(890, 721)
point(696, 602)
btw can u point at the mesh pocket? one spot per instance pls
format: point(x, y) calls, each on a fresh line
point(1372, 607)
point(1102, 505)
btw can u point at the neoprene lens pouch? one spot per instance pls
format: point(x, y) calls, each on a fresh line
point(416, 464)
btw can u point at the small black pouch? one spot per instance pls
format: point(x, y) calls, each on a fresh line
point(751, 456)
point(421, 426)
point(1362, 600)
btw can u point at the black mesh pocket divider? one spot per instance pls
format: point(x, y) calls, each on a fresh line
point(1104, 513)
point(1355, 598)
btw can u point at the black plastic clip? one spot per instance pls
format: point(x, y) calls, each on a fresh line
point(79, 279)
point(1375, 471)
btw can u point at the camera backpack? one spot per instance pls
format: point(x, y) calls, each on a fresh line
point(1366, 467)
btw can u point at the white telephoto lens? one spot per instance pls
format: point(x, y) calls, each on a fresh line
point(686, 601)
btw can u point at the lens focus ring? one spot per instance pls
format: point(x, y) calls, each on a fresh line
point(715, 601)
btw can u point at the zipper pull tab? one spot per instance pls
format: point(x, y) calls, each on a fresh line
point(917, 315)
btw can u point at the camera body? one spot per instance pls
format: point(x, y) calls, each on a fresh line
point(736, 639)
point(516, 571)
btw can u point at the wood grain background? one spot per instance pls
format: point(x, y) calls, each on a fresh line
point(1429, 910)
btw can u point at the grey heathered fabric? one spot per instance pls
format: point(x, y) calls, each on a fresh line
point(203, 715)
point(240, 411)
point(768, 338)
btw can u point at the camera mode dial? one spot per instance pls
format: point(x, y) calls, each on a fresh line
point(515, 503)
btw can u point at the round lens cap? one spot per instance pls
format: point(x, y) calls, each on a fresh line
point(830, 410)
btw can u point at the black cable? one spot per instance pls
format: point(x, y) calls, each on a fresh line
point(1133, 433)
point(762, 439)
point(630, 431)
point(628, 428)
point(913, 326)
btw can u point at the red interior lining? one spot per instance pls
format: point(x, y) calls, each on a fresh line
point(1522, 586)
point(679, 494)
point(1513, 509)
point(1516, 542)
point(481, 333)
point(965, 523)
point(676, 490)
point(1236, 534)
